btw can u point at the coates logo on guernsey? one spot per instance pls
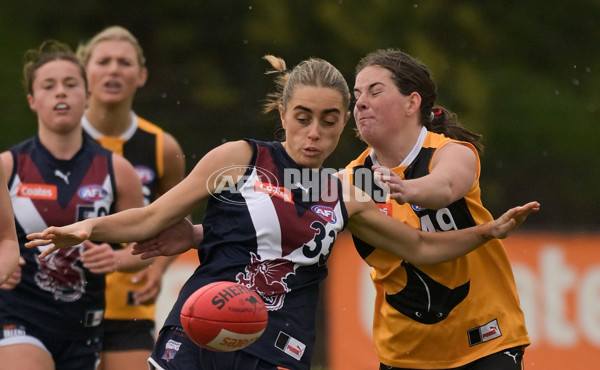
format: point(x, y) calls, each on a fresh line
point(278, 191)
point(37, 191)
point(224, 184)
point(92, 193)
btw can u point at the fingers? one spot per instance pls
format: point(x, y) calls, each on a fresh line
point(513, 218)
point(150, 254)
point(46, 234)
point(524, 211)
point(141, 247)
point(35, 236)
point(146, 249)
point(135, 248)
point(147, 294)
point(52, 248)
point(39, 242)
point(146, 297)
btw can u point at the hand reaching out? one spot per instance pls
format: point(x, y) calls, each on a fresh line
point(58, 237)
point(99, 258)
point(148, 292)
point(511, 219)
point(396, 186)
point(177, 239)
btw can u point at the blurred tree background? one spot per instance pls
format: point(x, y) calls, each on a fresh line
point(525, 74)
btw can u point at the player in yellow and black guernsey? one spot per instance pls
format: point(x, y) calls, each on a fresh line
point(462, 314)
point(142, 146)
point(115, 66)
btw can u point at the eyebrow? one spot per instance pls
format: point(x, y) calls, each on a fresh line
point(326, 111)
point(371, 86)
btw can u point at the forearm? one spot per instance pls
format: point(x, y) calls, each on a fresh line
point(127, 226)
point(438, 247)
point(393, 236)
point(429, 194)
point(9, 258)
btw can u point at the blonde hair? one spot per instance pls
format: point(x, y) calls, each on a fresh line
point(113, 33)
point(311, 72)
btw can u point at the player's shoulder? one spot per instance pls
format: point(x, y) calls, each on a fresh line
point(145, 125)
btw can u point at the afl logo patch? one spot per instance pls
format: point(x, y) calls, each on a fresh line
point(145, 174)
point(92, 193)
point(325, 213)
point(417, 208)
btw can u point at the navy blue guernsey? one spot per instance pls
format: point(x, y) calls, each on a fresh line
point(57, 296)
point(275, 240)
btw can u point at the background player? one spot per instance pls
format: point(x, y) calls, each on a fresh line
point(115, 66)
point(52, 318)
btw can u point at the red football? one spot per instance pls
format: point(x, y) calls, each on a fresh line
point(224, 316)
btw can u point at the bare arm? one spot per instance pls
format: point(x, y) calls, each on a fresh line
point(145, 222)
point(174, 164)
point(368, 223)
point(454, 171)
point(129, 186)
point(9, 246)
point(173, 174)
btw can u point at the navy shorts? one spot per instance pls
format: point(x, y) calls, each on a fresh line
point(128, 335)
point(175, 351)
point(508, 359)
point(67, 354)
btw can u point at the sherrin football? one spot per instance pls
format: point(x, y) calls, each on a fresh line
point(224, 316)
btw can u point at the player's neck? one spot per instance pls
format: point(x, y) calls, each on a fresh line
point(109, 120)
point(62, 145)
point(392, 150)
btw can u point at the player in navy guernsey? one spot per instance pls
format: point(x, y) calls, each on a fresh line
point(51, 319)
point(272, 235)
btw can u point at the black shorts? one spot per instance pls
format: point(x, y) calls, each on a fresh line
point(81, 354)
point(507, 359)
point(128, 335)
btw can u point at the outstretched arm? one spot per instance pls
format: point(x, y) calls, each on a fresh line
point(368, 223)
point(143, 223)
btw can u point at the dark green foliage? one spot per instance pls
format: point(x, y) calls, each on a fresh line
point(525, 74)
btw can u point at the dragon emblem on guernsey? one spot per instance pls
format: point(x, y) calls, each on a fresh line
point(267, 278)
point(60, 275)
